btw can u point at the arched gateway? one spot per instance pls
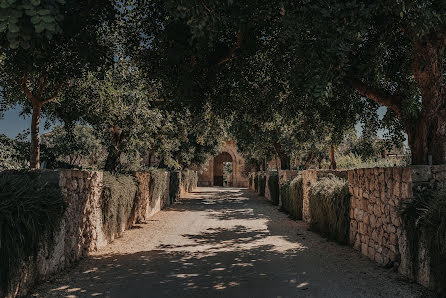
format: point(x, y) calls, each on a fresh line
point(225, 169)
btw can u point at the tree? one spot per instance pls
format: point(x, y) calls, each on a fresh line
point(119, 106)
point(391, 53)
point(45, 45)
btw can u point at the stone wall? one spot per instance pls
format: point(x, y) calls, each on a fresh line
point(376, 224)
point(81, 229)
point(375, 221)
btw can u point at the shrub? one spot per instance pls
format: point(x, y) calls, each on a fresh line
point(157, 185)
point(174, 186)
point(189, 180)
point(273, 185)
point(329, 208)
point(291, 193)
point(31, 208)
point(117, 199)
point(251, 180)
point(425, 220)
point(256, 182)
point(262, 183)
point(354, 161)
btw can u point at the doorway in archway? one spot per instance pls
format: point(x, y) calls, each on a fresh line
point(223, 175)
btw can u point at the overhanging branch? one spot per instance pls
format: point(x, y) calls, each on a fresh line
point(379, 96)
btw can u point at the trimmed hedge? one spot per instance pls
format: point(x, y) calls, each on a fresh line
point(117, 200)
point(262, 183)
point(174, 186)
point(31, 208)
point(329, 208)
point(291, 194)
point(273, 186)
point(251, 180)
point(189, 180)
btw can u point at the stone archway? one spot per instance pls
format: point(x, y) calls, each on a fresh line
point(219, 162)
point(229, 153)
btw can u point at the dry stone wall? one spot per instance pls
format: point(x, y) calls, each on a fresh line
point(81, 229)
point(375, 221)
point(377, 198)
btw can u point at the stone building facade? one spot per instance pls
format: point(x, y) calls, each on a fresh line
point(212, 173)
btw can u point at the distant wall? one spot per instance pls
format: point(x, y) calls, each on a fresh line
point(82, 229)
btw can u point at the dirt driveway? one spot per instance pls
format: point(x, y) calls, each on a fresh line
point(226, 242)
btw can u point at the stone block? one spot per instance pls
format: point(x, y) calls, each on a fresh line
point(406, 190)
point(378, 258)
point(396, 189)
point(421, 173)
point(364, 204)
point(396, 174)
point(372, 220)
point(371, 252)
point(364, 249)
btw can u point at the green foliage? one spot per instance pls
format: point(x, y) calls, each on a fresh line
point(75, 146)
point(117, 199)
point(291, 193)
point(330, 207)
point(256, 181)
point(174, 186)
point(189, 179)
point(353, 161)
point(31, 208)
point(273, 186)
point(157, 185)
point(262, 183)
point(13, 153)
point(424, 219)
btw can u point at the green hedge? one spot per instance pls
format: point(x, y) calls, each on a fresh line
point(189, 180)
point(262, 183)
point(174, 186)
point(256, 182)
point(292, 197)
point(251, 180)
point(330, 207)
point(273, 186)
point(117, 200)
point(31, 208)
point(425, 220)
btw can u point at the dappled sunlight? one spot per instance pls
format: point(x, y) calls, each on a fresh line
point(221, 242)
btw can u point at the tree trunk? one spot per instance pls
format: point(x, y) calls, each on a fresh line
point(427, 134)
point(309, 159)
point(35, 146)
point(114, 150)
point(332, 158)
point(427, 137)
point(285, 162)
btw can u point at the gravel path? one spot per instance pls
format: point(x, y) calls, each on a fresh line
point(226, 242)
